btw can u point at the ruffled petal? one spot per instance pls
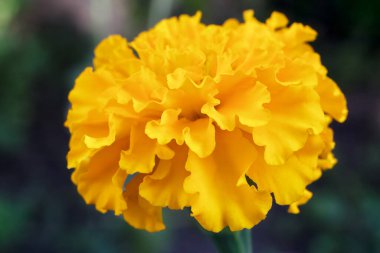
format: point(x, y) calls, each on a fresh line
point(220, 201)
point(146, 90)
point(327, 159)
point(294, 207)
point(199, 135)
point(182, 64)
point(78, 151)
point(141, 155)
point(166, 129)
point(240, 97)
point(296, 72)
point(249, 16)
point(332, 99)
point(169, 33)
point(295, 110)
point(112, 50)
point(186, 94)
point(287, 181)
point(164, 187)
point(298, 34)
point(277, 20)
point(115, 124)
point(310, 153)
point(140, 213)
point(98, 180)
point(88, 96)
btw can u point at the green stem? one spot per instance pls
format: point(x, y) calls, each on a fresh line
point(233, 242)
point(248, 240)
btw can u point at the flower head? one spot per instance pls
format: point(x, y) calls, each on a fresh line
point(212, 117)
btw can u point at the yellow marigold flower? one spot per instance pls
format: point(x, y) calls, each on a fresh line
point(187, 114)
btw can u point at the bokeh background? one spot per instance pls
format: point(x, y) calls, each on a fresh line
point(44, 44)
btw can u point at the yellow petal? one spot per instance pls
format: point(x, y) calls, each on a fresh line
point(111, 50)
point(98, 180)
point(287, 181)
point(247, 104)
point(277, 20)
point(140, 213)
point(189, 96)
point(327, 159)
point(294, 207)
point(95, 131)
point(177, 78)
point(145, 89)
point(87, 95)
point(310, 153)
point(115, 125)
point(249, 16)
point(298, 34)
point(164, 187)
point(169, 33)
point(332, 99)
point(78, 151)
point(296, 72)
point(141, 155)
point(199, 135)
point(184, 63)
point(94, 125)
point(167, 129)
point(240, 97)
point(220, 202)
point(231, 23)
point(295, 110)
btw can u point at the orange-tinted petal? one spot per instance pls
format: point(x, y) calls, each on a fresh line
point(112, 50)
point(243, 98)
point(99, 179)
point(200, 137)
point(140, 213)
point(294, 207)
point(141, 155)
point(220, 201)
point(295, 110)
point(164, 187)
point(327, 159)
point(87, 95)
point(167, 128)
point(199, 134)
point(277, 20)
point(332, 99)
point(296, 72)
point(287, 181)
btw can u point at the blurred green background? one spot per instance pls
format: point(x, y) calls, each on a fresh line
point(44, 44)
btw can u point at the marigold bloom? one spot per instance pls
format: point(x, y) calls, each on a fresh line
point(186, 114)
